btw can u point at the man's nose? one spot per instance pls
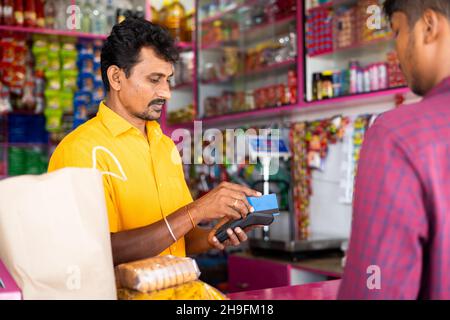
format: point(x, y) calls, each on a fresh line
point(164, 91)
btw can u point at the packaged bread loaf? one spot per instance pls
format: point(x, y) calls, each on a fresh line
point(157, 273)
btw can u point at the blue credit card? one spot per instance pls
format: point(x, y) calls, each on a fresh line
point(264, 203)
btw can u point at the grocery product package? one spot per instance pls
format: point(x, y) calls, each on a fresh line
point(54, 234)
point(163, 278)
point(194, 290)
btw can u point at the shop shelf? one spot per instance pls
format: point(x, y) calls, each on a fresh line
point(333, 3)
point(260, 30)
point(221, 15)
point(354, 48)
point(253, 33)
point(339, 104)
point(69, 33)
point(358, 98)
point(219, 45)
point(281, 66)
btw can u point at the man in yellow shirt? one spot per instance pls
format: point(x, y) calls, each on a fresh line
point(151, 212)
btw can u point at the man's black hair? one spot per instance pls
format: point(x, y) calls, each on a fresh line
point(414, 9)
point(123, 45)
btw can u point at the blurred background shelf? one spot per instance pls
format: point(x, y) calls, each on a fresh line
point(233, 8)
point(273, 68)
point(356, 49)
point(68, 33)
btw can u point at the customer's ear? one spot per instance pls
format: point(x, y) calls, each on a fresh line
point(114, 73)
point(431, 25)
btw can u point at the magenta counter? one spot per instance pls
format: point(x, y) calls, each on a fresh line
point(326, 290)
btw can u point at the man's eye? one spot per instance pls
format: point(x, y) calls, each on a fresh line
point(154, 80)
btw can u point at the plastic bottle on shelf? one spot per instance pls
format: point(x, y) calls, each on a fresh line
point(327, 85)
point(164, 12)
point(174, 18)
point(8, 12)
point(292, 84)
point(40, 13)
point(110, 14)
point(30, 14)
point(188, 26)
point(86, 16)
point(98, 18)
point(49, 13)
point(61, 14)
point(354, 66)
point(18, 13)
point(317, 87)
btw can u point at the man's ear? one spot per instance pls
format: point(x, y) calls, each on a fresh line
point(431, 25)
point(114, 74)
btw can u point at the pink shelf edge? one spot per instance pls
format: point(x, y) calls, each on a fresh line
point(185, 45)
point(53, 32)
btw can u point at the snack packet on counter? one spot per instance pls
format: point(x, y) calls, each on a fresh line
point(157, 273)
point(194, 290)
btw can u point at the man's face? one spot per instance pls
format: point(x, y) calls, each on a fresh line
point(146, 90)
point(412, 53)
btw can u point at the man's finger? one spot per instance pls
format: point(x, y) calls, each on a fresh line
point(231, 213)
point(216, 244)
point(247, 191)
point(239, 206)
point(233, 238)
point(241, 197)
point(240, 234)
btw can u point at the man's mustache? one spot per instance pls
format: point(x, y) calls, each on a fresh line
point(157, 101)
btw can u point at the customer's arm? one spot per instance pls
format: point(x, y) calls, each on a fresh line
point(389, 228)
point(227, 200)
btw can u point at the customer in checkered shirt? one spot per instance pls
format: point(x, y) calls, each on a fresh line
point(400, 239)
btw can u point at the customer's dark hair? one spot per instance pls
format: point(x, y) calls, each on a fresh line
point(123, 45)
point(414, 9)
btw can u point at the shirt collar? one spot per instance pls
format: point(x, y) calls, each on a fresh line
point(118, 125)
point(442, 87)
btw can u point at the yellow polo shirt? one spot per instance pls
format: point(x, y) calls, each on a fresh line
point(155, 185)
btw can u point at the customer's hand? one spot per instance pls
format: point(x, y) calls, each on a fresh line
point(235, 237)
point(227, 200)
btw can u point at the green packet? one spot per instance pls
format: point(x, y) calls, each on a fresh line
point(66, 101)
point(53, 119)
